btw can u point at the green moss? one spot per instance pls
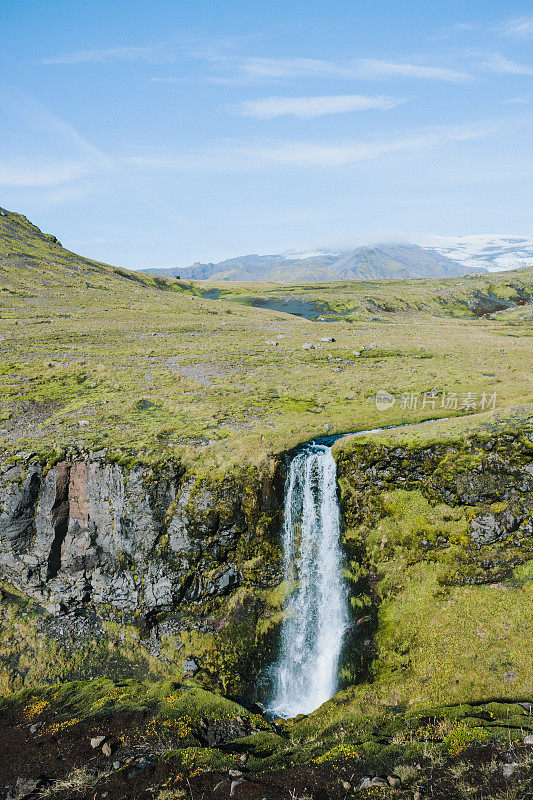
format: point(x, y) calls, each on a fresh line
point(32, 653)
point(260, 745)
point(448, 610)
point(464, 736)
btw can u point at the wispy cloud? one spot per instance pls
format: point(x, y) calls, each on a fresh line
point(370, 68)
point(275, 68)
point(375, 68)
point(503, 66)
point(169, 51)
point(330, 155)
point(451, 31)
point(308, 107)
point(465, 26)
point(33, 115)
point(153, 54)
point(71, 155)
point(258, 69)
point(522, 28)
point(233, 155)
point(517, 101)
point(39, 172)
point(173, 79)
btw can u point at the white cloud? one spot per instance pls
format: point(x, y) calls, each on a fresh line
point(521, 28)
point(465, 26)
point(517, 101)
point(233, 156)
point(153, 54)
point(373, 68)
point(501, 65)
point(175, 48)
point(368, 68)
point(275, 68)
point(331, 155)
point(307, 107)
point(37, 172)
point(167, 80)
point(68, 154)
point(261, 69)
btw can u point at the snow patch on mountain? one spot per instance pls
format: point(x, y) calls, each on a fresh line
point(493, 252)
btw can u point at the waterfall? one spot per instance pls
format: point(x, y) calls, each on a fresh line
point(305, 675)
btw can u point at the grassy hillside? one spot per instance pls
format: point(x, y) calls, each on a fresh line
point(94, 356)
point(31, 260)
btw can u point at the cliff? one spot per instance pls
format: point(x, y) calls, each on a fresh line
point(166, 566)
point(172, 554)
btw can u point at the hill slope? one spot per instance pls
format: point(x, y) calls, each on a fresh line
point(30, 258)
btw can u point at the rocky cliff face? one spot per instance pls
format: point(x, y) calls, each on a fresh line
point(151, 570)
point(137, 542)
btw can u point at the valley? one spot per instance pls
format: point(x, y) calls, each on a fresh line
point(148, 428)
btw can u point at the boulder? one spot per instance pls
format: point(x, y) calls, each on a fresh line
point(96, 741)
point(234, 784)
point(190, 667)
point(109, 747)
point(508, 770)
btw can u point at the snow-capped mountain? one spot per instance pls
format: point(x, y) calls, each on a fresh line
point(381, 261)
point(492, 252)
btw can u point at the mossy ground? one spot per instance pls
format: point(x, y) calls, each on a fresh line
point(448, 615)
point(230, 638)
point(99, 358)
point(158, 738)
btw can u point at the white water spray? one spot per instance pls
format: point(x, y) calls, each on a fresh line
point(305, 675)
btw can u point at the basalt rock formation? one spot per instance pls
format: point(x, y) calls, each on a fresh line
point(138, 542)
point(159, 549)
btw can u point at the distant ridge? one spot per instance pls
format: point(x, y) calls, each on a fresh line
point(386, 261)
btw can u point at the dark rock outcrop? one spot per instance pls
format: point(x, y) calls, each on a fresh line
point(133, 541)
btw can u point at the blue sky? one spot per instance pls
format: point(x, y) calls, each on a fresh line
point(159, 133)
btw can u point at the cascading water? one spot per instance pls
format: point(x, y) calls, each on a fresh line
point(305, 676)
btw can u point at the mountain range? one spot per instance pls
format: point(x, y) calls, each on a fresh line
point(386, 261)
